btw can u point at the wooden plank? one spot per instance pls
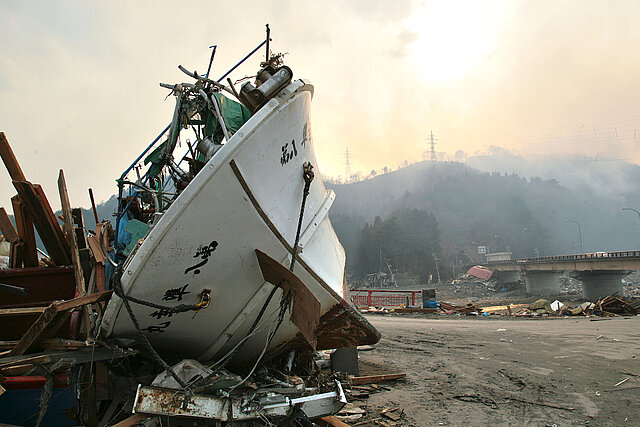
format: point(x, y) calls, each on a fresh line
point(91, 353)
point(91, 284)
point(50, 344)
point(41, 213)
point(81, 238)
point(6, 227)
point(51, 318)
point(9, 159)
point(40, 359)
point(333, 421)
point(69, 232)
point(16, 254)
point(21, 310)
point(11, 235)
point(371, 379)
point(17, 370)
point(96, 250)
point(36, 331)
point(80, 301)
point(81, 233)
point(52, 217)
point(24, 224)
point(101, 280)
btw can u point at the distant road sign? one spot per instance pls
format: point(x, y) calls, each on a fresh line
point(482, 250)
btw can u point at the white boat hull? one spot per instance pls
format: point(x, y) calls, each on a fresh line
point(247, 197)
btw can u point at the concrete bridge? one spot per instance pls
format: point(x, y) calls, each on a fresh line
point(600, 272)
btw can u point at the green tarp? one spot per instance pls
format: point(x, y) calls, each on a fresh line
point(233, 113)
point(157, 159)
point(138, 230)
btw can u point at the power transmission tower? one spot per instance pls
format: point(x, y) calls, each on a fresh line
point(432, 150)
point(347, 166)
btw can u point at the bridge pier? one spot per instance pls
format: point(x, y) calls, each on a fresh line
point(507, 276)
point(601, 283)
point(542, 282)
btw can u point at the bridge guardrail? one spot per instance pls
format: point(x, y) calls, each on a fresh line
point(573, 257)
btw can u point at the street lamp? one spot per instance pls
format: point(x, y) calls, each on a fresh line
point(579, 232)
point(631, 209)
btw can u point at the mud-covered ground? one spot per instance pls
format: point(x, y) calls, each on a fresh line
point(502, 371)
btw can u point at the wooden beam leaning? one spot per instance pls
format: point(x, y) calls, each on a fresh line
point(11, 235)
point(24, 224)
point(69, 232)
point(48, 229)
point(9, 159)
point(6, 227)
point(52, 217)
point(50, 344)
point(83, 249)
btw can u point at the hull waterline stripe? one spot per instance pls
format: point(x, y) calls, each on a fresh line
point(257, 206)
point(275, 231)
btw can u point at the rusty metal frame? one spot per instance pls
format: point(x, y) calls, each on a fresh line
point(170, 402)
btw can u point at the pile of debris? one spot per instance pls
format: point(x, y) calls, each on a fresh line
point(617, 305)
point(631, 284)
point(456, 309)
point(470, 286)
point(50, 306)
point(50, 311)
point(612, 305)
point(360, 388)
point(442, 308)
point(570, 285)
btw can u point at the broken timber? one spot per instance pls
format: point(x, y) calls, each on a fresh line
point(9, 159)
point(375, 378)
point(51, 319)
point(56, 359)
point(11, 235)
point(73, 244)
point(24, 224)
point(45, 221)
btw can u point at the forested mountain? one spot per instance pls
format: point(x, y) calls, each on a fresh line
point(470, 208)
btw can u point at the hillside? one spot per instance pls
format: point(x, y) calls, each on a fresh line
point(498, 210)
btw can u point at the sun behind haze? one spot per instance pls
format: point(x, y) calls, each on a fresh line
point(79, 80)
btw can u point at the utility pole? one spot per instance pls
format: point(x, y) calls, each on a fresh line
point(435, 258)
point(579, 232)
point(347, 166)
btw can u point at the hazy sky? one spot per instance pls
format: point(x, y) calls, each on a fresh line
point(79, 80)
